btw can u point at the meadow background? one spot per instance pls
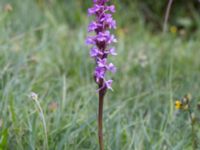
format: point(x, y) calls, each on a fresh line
point(42, 50)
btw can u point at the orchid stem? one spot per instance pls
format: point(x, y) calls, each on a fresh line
point(100, 119)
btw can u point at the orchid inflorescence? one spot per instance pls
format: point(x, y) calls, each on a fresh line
point(101, 41)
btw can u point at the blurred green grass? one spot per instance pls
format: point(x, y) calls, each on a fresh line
point(42, 49)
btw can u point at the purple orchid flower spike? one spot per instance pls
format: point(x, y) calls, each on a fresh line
point(103, 39)
point(102, 48)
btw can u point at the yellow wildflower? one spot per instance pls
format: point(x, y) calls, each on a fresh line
point(173, 29)
point(178, 104)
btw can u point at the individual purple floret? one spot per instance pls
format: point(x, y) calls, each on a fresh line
point(102, 41)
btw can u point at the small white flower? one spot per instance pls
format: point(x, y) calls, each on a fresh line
point(142, 59)
point(33, 96)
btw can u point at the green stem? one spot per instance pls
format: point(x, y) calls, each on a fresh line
point(169, 5)
point(194, 140)
point(41, 113)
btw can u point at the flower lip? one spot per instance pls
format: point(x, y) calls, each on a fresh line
point(102, 62)
point(112, 68)
point(108, 84)
point(90, 40)
point(99, 73)
point(94, 52)
point(112, 51)
point(96, 8)
point(93, 26)
point(111, 8)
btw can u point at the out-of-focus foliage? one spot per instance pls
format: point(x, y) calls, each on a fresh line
point(184, 14)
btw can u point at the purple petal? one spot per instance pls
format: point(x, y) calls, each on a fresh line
point(94, 52)
point(108, 21)
point(111, 68)
point(108, 84)
point(90, 40)
point(111, 8)
point(99, 73)
point(93, 26)
point(102, 62)
point(112, 51)
point(95, 9)
point(112, 39)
